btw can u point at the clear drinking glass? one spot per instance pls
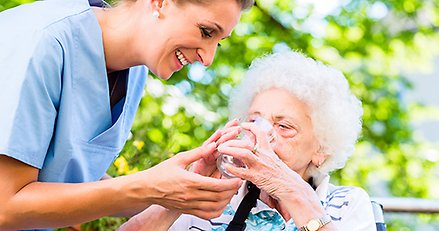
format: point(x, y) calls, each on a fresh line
point(226, 159)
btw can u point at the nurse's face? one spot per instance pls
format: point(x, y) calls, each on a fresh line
point(295, 143)
point(191, 32)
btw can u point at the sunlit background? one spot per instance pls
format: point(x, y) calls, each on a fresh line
point(388, 50)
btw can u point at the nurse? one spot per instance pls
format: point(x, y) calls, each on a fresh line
point(72, 78)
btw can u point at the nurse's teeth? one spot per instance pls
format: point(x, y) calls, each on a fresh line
point(181, 58)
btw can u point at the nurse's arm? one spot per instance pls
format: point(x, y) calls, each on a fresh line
point(127, 213)
point(26, 203)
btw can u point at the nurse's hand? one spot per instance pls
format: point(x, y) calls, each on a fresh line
point(206, 166)
point(172, 186)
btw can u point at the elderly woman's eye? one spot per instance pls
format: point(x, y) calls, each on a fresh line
point(286, 130)
point(283, 126)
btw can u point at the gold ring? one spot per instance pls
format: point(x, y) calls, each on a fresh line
point(255, 148)
point(270, 138)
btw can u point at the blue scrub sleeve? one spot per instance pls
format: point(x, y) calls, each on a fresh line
point(31, 80)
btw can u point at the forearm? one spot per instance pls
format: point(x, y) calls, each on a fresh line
point(50, 205)
point(310, 208)
point(127, 213)
point(154, 218)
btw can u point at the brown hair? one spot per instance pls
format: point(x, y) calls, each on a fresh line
point(245, 4)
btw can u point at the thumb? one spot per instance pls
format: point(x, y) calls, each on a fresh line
point(188, 157)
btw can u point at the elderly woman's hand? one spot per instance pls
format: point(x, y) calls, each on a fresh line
point(264, 168)
point(274, 177)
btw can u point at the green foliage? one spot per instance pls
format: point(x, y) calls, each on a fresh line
point(6, 4)
point(370, 49)
point(106, 223)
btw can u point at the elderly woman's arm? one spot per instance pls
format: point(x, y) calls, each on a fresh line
point(155, 218)
point(299, 194)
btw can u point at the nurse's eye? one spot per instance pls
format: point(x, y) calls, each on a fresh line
point(206, 32)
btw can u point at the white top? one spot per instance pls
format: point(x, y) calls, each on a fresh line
point(349, 208)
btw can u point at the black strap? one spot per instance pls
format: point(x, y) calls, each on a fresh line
point(249, 201)
point(99, 3)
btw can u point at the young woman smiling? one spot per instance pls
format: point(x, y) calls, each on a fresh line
point(72, 79)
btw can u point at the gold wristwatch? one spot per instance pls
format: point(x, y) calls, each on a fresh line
point(316, 223)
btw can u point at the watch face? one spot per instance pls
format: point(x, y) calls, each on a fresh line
point(313, 225)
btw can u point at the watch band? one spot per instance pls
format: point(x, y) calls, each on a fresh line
point(316, 223)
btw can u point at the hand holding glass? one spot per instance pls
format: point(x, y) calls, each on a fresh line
point(224, 159)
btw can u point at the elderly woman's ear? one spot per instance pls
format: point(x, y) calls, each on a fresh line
point(319, 157)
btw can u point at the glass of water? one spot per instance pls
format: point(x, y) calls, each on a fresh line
point(224, 159)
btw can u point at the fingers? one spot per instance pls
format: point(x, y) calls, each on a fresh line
point(200, 182)
point(186, 158)
point(214, 137)
point(228, 134)
point(243, 154)
point(217, 134)
point(236, 143)
point(213, 184)
point(242, 173)
point(232, 123)
point(204, 168)
point(204, 204)
point(190, 192)
point(207, 165)
point(195, 199)
point(216, 174)
point(204, 195)
point(262, 139)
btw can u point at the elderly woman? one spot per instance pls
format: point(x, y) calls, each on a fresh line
point(315, 123)
point(72, 77)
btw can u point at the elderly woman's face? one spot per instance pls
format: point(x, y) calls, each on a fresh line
point(191, 32)
point(295, 143)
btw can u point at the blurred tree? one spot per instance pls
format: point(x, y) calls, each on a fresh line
point(370, 41)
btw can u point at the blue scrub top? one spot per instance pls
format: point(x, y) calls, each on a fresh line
point(55, 112)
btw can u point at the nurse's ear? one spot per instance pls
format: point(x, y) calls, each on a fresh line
point(157, 5)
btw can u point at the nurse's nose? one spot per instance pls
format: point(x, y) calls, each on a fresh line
point(207, 54)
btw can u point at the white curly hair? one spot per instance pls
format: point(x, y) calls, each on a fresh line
point(335, 112)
